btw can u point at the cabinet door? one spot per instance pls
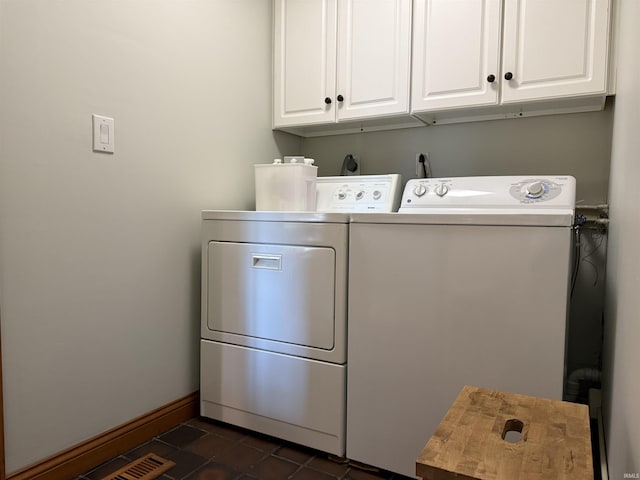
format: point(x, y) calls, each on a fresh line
point(554, 49)
point(374, 50)
point(456, 48)
point(304, 61)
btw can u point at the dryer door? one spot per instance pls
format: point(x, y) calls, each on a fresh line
point(282, 293)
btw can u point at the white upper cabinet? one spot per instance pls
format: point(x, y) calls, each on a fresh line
point(554, 48)
point(500, 58)
point(456, 53)
point(343, 66)
point(374, 58)
point(341, 61)
point(304, 61)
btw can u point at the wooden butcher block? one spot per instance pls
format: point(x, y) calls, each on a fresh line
point(492, 435)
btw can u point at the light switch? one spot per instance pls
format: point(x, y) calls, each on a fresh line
point(103, 134)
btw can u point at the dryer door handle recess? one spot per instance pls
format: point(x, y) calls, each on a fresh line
point(266, 262)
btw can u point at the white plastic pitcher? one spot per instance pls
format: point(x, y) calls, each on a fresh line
point(286, 186)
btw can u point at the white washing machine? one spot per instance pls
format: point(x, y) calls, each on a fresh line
point(466, 285)
point(274, 313)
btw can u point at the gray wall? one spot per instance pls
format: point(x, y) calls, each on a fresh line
point(622, 333)
point(99, 254)
point(575, 144)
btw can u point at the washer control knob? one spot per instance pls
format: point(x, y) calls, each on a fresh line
point(377, 194)
point(535, 189)
point(341, 195)
point(419, 190)
point(441, 190)
point(359, 195)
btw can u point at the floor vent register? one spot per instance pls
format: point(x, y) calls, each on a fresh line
point(145, 468)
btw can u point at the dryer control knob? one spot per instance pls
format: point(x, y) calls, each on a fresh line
point(341, 195)
point(441, 190)
point(535, 189)
point(419, 190)
point(377, 194)
point(359, 195)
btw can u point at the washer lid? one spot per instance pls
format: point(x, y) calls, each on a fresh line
point(467, 217)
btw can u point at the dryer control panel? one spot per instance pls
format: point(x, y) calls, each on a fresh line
point(358, 193)
point(491, 194)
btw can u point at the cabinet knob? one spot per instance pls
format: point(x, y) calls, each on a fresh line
point(491, 78)
point(340, 98)
point(327, 100)
point(508, 76)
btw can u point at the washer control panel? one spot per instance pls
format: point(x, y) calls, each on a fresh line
point(491, 193)
point(358, 193)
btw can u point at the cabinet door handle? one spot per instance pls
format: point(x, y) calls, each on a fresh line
point(491, 78)
point(508, 76)
point(340, 98)
point(327, 100)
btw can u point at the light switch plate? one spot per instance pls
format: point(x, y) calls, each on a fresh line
point(103, 134)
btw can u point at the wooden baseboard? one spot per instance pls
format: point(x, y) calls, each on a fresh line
point(78, 459)
point(2, 469)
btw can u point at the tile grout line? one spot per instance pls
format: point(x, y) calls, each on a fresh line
point(233, 443)
point(300, 466)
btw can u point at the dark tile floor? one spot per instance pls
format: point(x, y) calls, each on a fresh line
point(208, 450)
